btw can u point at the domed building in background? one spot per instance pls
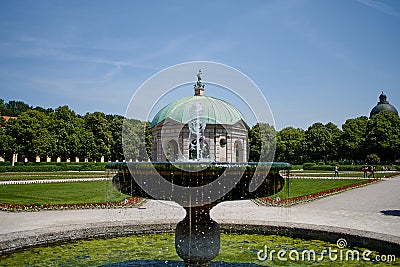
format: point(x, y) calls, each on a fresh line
point(383, 104)
point(199, 127)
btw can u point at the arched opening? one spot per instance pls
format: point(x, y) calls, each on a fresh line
point(171, 152)
point(238, 148)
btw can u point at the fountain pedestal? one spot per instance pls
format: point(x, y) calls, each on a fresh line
point(197, 237)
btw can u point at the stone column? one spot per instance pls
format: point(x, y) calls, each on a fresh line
point(197, 237)
point(14, 159)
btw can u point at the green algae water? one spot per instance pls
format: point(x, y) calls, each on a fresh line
point(159, 250)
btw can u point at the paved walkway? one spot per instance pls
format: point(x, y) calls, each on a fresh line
point(374, 208)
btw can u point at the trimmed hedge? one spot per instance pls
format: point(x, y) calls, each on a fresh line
point(53, 167)
point(315, 167)
point(297, 167)
point(308, 165)
point(332, 167)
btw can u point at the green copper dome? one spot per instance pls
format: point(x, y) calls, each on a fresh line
point(212, 110)
point(383, 104)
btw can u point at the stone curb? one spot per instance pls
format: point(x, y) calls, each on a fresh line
point(386, 244)
point(21, 240)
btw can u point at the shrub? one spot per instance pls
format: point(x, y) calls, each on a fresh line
point(297, 167)
point(373, 159)
point(307, 166)
point(332, 168)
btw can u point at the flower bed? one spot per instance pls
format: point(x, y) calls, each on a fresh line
point(132, 202)
point(392, 175)
point(286, 202)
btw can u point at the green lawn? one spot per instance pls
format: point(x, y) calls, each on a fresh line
point(100, 191)
point(300, 187)
point(60, 193)
point(344, 174)
point(50, 175)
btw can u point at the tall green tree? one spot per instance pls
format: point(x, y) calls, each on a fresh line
point(115, 123)
point(262, 142)
point(336, 133)
point(290, 144)
point(322, 142)
point(47, 111)
point(66, 127)
point(97, 124)
point(134, 140)
point(383, 136)
point(2, 107)
point(6, 142)
point(15, 108)
point(352, 141)
point(31, 134)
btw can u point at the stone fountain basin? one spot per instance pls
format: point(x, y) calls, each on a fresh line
point(197, 174)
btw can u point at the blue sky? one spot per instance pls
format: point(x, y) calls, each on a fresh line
point(315, 61)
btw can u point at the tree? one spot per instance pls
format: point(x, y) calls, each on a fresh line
point(383, 136)
point(352, 141)
point(262, 142)
point(134, 135)
point(47, 111)
point(97, 124)
point(373, 159)
point(336, 133)
point(2, 107)
point(322, 141)
point(30, 134)
point(15, 108)
point(115, 124)
point(86, 141)
point(290, 145)
point(6, 143)
point(66, 128)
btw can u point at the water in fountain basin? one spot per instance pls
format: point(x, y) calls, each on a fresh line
point(157, 250)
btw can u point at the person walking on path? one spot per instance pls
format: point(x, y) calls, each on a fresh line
point(372, 171)
point(365, 170)
point(336, 171)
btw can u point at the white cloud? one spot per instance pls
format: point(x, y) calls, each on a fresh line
point(382, 7)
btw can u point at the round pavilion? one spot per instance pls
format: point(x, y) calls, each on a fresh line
point(215, 125)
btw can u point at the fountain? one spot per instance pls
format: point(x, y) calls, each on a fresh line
point(198, 184)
